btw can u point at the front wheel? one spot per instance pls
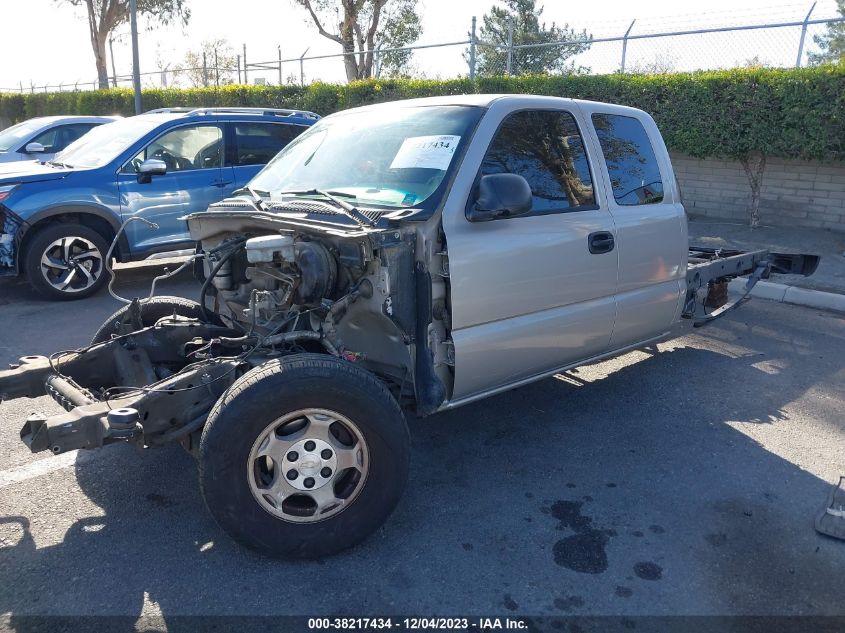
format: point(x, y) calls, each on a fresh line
point(67, 261)
point(304, 456)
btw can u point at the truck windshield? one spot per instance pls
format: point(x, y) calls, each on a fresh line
point(391, 158)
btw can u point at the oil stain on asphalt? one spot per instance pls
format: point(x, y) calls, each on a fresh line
point(648, 571)
point(584, 551)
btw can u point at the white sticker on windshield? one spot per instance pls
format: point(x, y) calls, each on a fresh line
point(428, 152)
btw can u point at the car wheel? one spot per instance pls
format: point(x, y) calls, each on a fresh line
point(152, 310)
point(67, 261)
point(304, 456)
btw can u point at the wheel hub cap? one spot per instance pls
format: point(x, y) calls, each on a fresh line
point(308, 465)
point(71, 264)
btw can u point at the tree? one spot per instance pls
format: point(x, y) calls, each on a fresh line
point(832, 43)
point(402, 26)
point(104, 16)
point(219, 72)
point(662, 64)
point(362, 26)
point(524, 16)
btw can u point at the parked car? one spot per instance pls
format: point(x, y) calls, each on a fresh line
point(412, 256)
point(43, 137)
point(57, 219)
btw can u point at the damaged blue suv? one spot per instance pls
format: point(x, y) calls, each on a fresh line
point(58, 219)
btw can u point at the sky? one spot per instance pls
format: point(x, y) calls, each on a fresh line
point(49, 43)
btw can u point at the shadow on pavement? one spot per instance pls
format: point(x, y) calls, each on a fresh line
point(633, 493)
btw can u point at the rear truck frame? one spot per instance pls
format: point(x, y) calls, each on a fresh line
point(709, 270)
point(111, 391)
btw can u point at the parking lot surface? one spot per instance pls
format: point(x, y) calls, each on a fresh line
point(676, 481)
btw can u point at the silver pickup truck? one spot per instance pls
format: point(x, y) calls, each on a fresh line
point(412, 256)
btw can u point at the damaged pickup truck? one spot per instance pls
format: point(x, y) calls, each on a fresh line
point(405, 257)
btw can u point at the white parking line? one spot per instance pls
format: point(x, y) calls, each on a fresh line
point(40, 467)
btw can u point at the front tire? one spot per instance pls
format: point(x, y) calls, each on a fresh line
point(67, 261)
point(304, 457)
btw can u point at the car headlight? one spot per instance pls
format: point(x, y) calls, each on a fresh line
point(6, 191)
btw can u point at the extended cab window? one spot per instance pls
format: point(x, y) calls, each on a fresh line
point(631, 162)
point(546, 149)
point(257, 143)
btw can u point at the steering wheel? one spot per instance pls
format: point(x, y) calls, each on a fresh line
point(168, 158)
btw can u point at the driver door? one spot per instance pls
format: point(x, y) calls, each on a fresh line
point(194, 180)
point(533, 293)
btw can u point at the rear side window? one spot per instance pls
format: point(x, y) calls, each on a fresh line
point(631, 162)
point(546, 148)
point(257, 143)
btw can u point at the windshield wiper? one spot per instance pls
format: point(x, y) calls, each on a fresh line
point(350, 210)
point(58, 164)
point(256, 197)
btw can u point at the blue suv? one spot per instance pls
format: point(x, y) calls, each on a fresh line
point(57, 219)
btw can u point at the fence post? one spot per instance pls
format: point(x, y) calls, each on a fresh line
point(204, 70)
point(377, 61)
point(246, 79)
point(472, 51)
point(302, 66)
point(280, 64)
point(625, 46)
point(510, 45)
point(803, 36)
point(239, 69)
point(113, 67)
point(216, 70)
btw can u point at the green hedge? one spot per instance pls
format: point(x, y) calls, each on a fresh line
point(796, 113)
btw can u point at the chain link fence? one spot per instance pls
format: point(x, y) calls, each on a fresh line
point(686, 47)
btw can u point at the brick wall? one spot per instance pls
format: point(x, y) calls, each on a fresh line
point(795, 193)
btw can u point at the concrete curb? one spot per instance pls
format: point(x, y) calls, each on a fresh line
point(792, 294)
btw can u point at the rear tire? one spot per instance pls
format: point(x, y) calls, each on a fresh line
point(303, 457)
point(152, 310)
point(66, 261)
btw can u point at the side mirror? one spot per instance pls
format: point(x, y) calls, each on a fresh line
point(149, 168)
point(501, 196)
point(34, 148)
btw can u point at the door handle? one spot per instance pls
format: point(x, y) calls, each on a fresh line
point(600, 242)
point(221, 183)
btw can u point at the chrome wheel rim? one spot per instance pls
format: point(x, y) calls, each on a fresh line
point(71, 264)
point(308, 465)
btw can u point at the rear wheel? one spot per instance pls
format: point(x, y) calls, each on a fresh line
point(67, 261)
point(304, 456)
point(152, 310)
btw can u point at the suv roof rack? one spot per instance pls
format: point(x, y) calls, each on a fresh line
point(235, 110)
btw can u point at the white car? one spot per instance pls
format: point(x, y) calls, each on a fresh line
point(41, 138)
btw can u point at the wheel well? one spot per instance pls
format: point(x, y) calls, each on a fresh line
point(98, 224)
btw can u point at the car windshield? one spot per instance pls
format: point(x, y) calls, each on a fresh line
point(383, 157)
point(106, 142)
point(11, 136)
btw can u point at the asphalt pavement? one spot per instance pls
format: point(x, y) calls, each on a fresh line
point(678, 481)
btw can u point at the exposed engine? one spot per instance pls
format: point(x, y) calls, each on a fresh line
point(262, 280)
point(298, 290)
